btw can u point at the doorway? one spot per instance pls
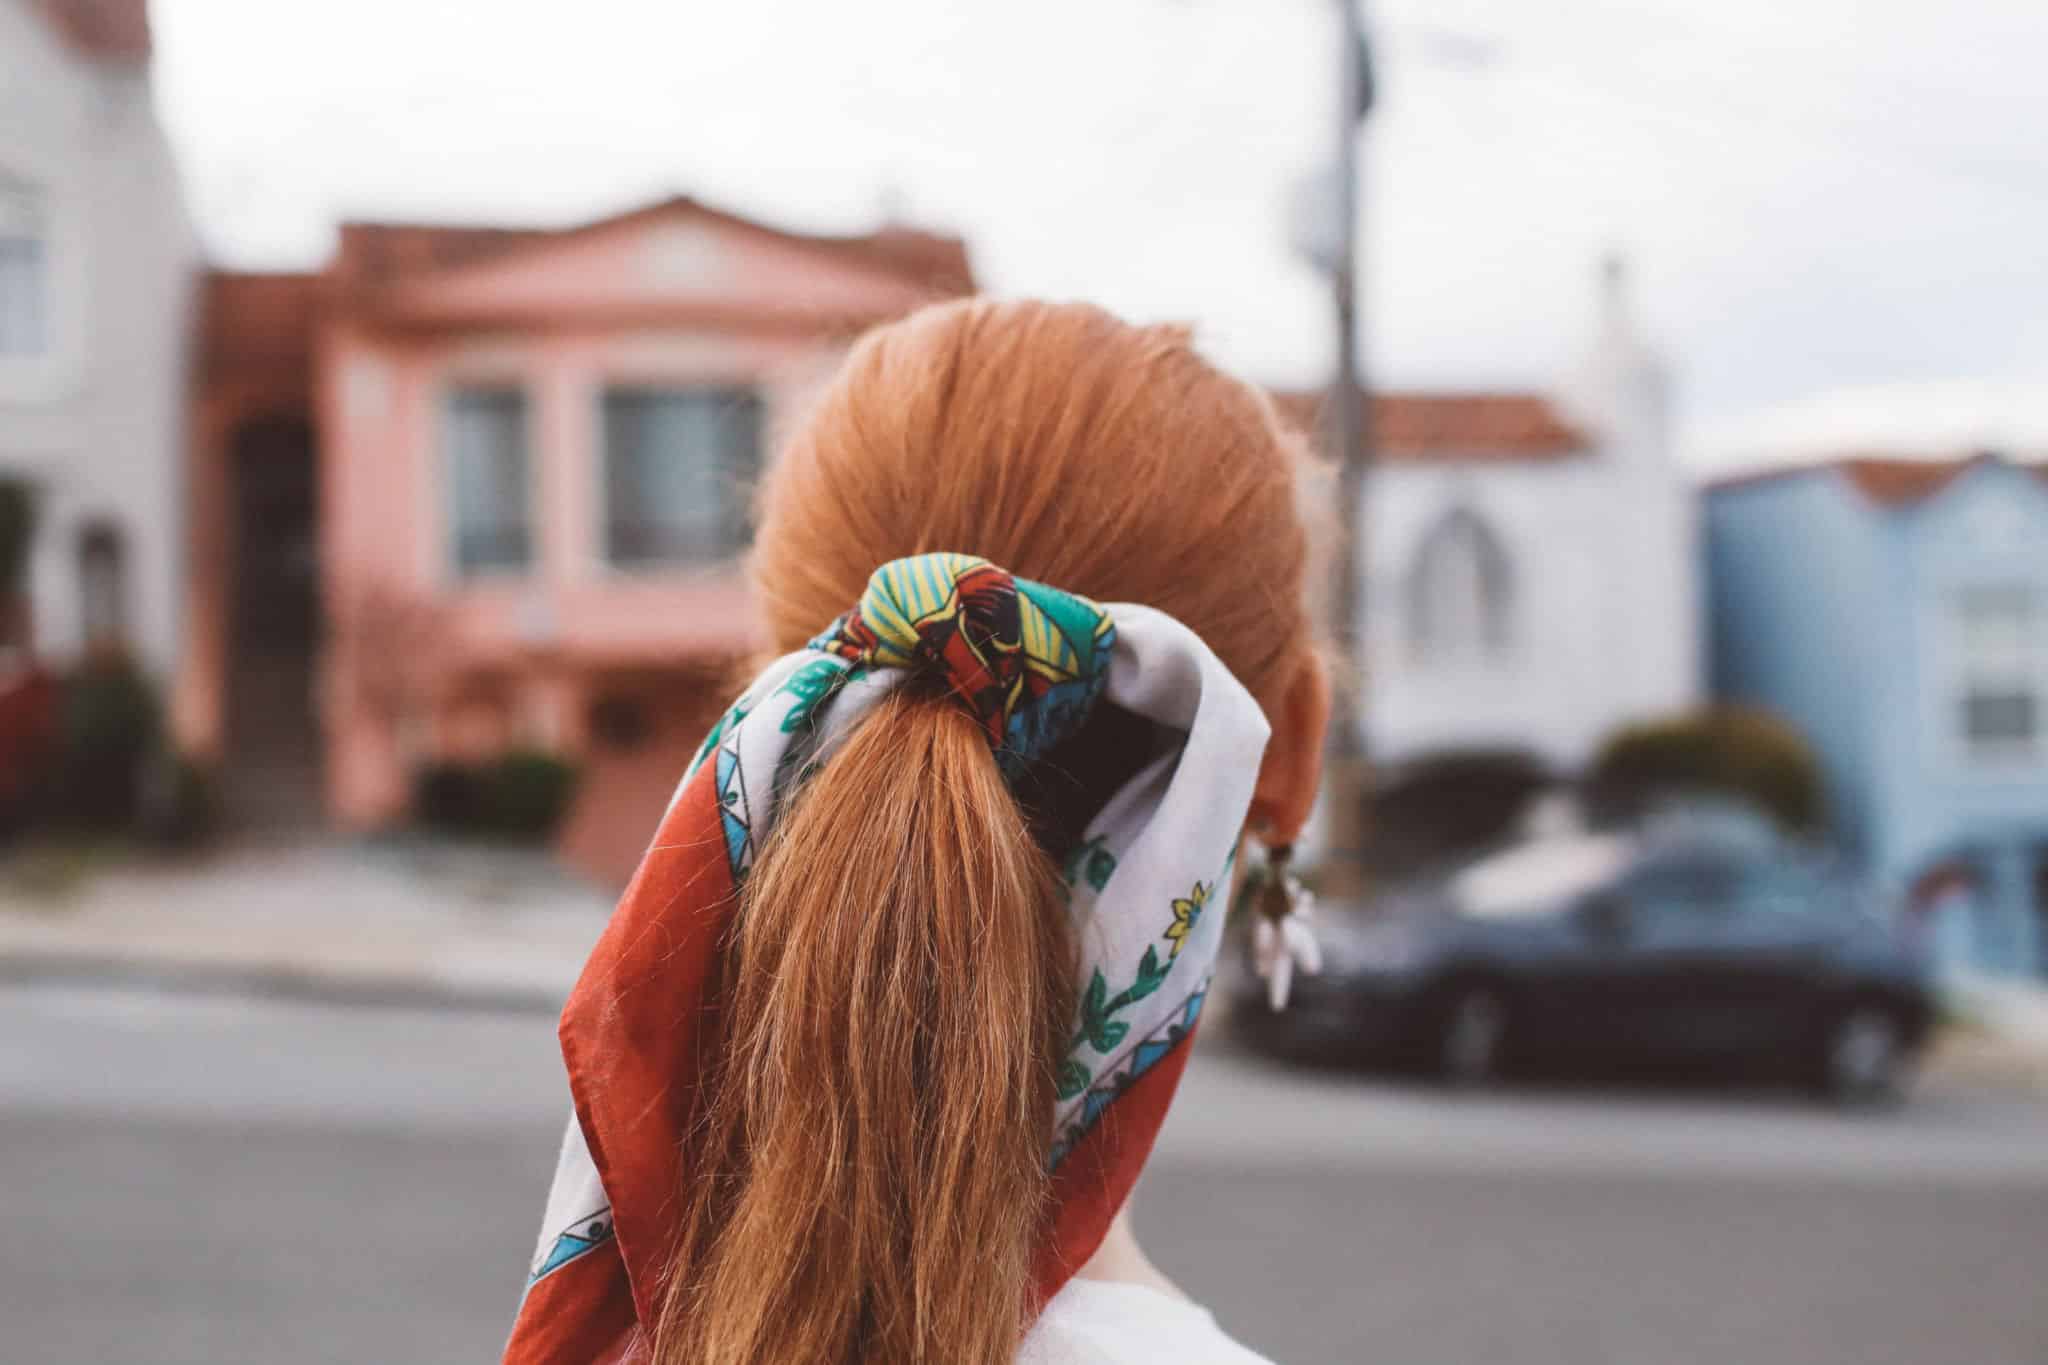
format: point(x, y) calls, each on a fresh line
point(272, 779)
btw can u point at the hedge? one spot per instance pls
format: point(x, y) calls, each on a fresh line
point(1721, 751)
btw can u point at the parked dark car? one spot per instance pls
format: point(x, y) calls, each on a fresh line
point(1646, 950)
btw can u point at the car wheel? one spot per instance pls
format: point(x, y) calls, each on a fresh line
point(1864, 1056)
point(1472, 1038)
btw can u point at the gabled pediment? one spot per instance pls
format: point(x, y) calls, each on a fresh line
point(677, 259)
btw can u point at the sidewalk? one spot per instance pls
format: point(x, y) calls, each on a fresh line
point(2002, 1034)
point(378, 922)
point(469, 927)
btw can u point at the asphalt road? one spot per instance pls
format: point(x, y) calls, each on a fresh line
point(218, 1180)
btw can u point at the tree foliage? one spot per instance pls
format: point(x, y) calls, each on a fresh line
point(1447, 806)
point(1735, 752)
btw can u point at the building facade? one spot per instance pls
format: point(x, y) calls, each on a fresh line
point(1530, 561)
point(469, 490)
point(1897, 612)
point(97, 266)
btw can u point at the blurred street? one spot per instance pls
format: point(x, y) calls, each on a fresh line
point(1614, 438)
point(216, 1178)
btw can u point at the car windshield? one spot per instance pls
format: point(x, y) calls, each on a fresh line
point(1536, 877)
point(1789, 887)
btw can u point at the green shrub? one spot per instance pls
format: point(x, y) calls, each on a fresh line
point(1446, 806)
point(180, 802)
point(109, 729)
point(1722, 751)
point(526, 794)
point(17, 530)
point(521, 796)
point(448, 797)
point(28, 734)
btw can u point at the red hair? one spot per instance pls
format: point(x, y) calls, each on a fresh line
point(869, 1179)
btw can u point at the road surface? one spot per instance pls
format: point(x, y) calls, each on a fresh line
point(217, 1179)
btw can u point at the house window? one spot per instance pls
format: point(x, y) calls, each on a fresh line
point(2002, 646)
point(490, 479)
point(677, 465)
point(102, 586)
point(24, 272)
point(1460, 593)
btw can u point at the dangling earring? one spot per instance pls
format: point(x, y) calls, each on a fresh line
point(1283, 939)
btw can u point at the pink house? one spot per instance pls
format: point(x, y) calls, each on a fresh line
point(481, 488)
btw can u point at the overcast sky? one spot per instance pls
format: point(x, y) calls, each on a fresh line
point(1813, 196)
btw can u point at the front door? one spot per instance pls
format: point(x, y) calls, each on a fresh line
point(273, 755)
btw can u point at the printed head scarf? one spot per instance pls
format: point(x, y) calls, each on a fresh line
point(1144, 890)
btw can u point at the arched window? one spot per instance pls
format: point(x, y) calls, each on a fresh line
point(102, 585)
point(1460, 593)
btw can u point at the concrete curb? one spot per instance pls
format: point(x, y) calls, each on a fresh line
point(1989, 1062)
point(276, 981)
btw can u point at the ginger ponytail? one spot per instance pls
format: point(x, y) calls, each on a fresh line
point(871, 1170)
point(868, 1176)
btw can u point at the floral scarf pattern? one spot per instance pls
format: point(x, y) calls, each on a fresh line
point(1030, 662)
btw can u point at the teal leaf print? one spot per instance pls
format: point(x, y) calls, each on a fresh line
point(726, 722)
point(1095, 997)
point(1100, 1028)
point(1151, 975)
point(813, 685)
point(1092, 862)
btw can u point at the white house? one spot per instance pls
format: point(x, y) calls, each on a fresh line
point(1531, 578)
point(97, 265)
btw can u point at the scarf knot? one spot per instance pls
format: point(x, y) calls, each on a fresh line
point(1026, 660)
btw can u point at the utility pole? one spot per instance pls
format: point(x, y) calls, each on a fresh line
point(1346, 778)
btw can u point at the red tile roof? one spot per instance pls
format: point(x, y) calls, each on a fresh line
point(1895, 482)
point(106, 30)
point(378, 253)
point(935, 259)
point(264, 322)
point(374, 253)
point(1887, 480)
point(1491, 427)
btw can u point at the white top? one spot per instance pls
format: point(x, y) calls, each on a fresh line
point(1101, 1322)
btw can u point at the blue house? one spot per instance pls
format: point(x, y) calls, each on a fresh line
point(1897, 613)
